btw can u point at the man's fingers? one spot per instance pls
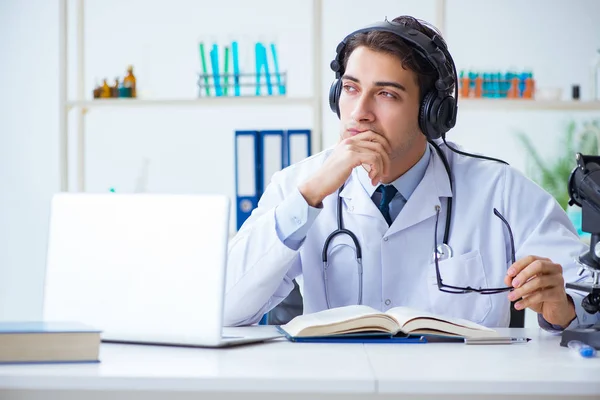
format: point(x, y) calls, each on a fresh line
point(374, 142)
point(385, 158)
point(370, 159)
point(376, 162)
point(531, 300)
point(371, 155)
point(538, 283)
point(520, 264)
point(370, 136)
point(536, 268)
point(538, 297)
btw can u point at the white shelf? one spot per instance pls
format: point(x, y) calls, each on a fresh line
point(82, 106)
point(526, 104)
point(202, 102)
point(464, 104)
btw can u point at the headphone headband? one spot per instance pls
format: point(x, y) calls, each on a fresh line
point(431, 49)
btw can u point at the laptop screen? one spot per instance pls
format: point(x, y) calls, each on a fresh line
point(140, 267)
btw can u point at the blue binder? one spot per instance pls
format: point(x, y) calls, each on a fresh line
point(298, 145)
point(255, 163)
point(374, 337)
point(248, 172)
point(272, 154)
point(259, 154)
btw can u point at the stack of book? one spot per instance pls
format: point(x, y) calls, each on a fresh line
point(48, 342)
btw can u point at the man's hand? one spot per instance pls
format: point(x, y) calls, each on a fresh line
point(540, 284)
point(366, 148)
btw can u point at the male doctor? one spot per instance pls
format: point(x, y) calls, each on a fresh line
point(388, 177)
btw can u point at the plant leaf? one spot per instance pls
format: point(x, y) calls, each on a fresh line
point(553, 175)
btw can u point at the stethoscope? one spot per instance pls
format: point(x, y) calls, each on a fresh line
point(442, 252)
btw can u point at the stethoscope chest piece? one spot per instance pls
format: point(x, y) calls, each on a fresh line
point(442, 252)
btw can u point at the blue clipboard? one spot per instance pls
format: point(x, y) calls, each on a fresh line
point(371, 337)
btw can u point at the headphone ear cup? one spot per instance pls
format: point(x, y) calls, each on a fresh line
point(449, 110)
point(441, 114)
point(334, 96)
point(425, 113)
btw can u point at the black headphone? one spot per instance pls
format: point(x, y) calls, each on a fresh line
point(437, 114)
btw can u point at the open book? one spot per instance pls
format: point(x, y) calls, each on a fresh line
point(360, 319)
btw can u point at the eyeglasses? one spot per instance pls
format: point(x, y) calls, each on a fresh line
point(460, 290)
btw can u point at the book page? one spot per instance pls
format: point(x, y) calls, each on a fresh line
point(328, 317)
point(410, 320)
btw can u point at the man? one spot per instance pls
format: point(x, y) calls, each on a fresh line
point(389, 175)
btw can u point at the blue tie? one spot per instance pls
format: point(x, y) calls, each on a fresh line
point(387, 194)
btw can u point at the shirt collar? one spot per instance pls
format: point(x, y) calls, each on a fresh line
point(406, 183)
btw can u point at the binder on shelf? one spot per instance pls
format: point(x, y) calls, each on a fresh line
point(273, 152)
point(298, 145)
point(258, 155)
point(247, 174)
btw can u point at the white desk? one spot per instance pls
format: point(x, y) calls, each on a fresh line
point(538, 369)
point(280, 369)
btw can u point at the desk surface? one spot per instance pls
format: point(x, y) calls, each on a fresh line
point(536, 369)
point(539, 368)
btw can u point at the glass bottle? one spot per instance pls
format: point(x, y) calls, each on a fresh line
point(97, 89)
point(105, 90)
point(114, 90)
point(129, 81)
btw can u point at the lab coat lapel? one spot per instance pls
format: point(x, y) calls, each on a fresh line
point(421, 204)
point(357, 200)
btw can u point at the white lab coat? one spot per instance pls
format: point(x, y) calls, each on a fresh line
point(398, 260)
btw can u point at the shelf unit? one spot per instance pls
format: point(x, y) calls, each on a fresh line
point(82, 106)
point(526, 105)
point(464, 104)
point(199, 102)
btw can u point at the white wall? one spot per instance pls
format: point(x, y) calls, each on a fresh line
point(556, 39)
point(191, 149)
point(28, 149)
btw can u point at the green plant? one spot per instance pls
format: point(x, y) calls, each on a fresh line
point(552, 173)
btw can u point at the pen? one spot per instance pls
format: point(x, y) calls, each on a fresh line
point(582, 349)
point(258, 66)
point(263, 51)
point(276, 66)
point(214, 58)
point(236, 67)
point(226, 72)
point(497, 340)
point(204, 70)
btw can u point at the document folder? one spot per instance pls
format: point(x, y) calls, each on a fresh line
point(272, 154)
point(248, 174)
point(298, 145)
point(375, 337)
point(258, 155)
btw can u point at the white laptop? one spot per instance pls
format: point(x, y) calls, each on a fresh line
point(143, 268)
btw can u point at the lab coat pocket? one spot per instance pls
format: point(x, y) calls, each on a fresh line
point(462, 271)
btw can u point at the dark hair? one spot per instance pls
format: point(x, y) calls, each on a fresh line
point(390, 43)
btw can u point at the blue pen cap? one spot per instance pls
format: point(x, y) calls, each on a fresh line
point(587, 351)
point(583, 349)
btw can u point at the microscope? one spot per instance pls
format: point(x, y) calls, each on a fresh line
point(584, 191)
